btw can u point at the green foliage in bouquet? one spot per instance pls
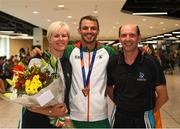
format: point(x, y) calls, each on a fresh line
point(30, 80)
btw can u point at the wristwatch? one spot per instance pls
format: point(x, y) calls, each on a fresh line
point(50, 112)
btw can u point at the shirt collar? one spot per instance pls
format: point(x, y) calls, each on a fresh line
point(85, 49)
point(139, 58)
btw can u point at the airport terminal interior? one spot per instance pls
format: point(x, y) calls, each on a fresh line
point(23, 25)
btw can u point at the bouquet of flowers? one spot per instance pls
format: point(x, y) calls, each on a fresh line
point(38, 85)
point(30, 85)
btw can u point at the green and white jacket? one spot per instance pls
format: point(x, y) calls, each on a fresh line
point(94, 107)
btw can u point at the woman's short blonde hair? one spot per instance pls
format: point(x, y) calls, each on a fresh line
point(53, 27)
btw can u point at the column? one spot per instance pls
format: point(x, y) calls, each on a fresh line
point(4, 46)
point(38, 37)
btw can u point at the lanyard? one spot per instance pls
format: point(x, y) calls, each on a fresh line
point(86, 80)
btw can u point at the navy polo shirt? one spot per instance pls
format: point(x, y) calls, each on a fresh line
point(134, 85)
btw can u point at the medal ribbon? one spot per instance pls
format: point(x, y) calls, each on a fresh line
point(86, 80)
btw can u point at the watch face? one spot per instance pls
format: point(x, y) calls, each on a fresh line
point(50, 112)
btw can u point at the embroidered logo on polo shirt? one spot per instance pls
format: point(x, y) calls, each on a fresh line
point(141, 77)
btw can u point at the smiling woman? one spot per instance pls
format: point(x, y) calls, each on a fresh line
point(58, 38)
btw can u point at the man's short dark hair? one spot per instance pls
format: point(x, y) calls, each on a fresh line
point(91, 18)
point(137, 30)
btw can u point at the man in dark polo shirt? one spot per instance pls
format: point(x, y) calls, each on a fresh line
point(136, 83)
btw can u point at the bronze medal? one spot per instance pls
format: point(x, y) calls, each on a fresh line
point(85, 91)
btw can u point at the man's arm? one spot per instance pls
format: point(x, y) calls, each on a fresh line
point(109, 92)
point(36, 51)
point(161, 97)
point(146, 49)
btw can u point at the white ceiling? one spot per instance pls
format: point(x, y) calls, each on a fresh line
point(109, 15)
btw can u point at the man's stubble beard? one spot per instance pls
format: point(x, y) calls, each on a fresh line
point(89, 42)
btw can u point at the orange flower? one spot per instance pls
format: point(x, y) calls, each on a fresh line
point(18, 69)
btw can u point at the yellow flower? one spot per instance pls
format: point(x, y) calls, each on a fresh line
point(27, 83)
point(31, 87)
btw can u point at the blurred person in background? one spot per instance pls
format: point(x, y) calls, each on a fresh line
point(2, 86)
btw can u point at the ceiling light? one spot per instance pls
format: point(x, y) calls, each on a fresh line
point(176, 32)
point(95, 9)
point(154, 37)
point(140, 45)
point(144, 19)
point(117, 44)
point(48, 20)
point(151, 41)
point(61, 6)
point(4, 36)
point(160, 36)
point(12, 33)
point(161, 23)
point(151, 13)
point(163, 28)
point(103, 42)
point(35, 12)
point(114, 27)
point(167, 34)
point(69, 17)
point(151, 27)
point(110, 42)
point(176, 24)
point(21, 37)
point(173, 38)
point(6, 32)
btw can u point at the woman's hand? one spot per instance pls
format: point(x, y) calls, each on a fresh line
point(59, 110)
point(54, 111)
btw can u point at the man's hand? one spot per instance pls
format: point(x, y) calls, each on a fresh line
point(109, 92)
point(36, 51)
point(146, 50)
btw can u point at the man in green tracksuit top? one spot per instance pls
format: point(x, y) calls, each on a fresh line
point(88, 103)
